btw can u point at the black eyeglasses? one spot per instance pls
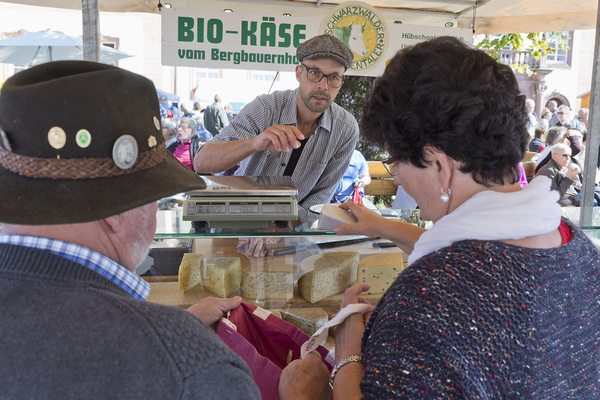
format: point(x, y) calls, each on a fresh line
point(390, 165)
point(567, 156)
point(184, 127)
point(314, 75)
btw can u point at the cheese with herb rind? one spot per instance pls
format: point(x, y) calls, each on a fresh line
point(272, 279)
point(190, 271)
point(222, 275)
point(330, 273)
point(380, 271)
point(308, 320)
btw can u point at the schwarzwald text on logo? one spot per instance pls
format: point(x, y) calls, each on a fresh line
point(362, 30)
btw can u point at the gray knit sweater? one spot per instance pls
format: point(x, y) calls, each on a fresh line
point(66, 332)
point(488, 320)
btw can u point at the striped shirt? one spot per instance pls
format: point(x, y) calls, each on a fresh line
point(322, 163)
point(116, 273)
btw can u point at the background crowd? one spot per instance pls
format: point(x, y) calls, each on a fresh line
point(558, 135)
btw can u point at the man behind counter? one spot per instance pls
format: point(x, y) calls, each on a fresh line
point(79, 193)
point(320, 134)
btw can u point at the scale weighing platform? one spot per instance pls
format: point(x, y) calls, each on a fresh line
point(242, 201)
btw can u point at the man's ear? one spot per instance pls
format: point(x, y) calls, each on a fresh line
point(442, 163)
point(298, 72)
point(115, 223)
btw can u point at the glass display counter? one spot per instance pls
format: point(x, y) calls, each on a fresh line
point(275, 263)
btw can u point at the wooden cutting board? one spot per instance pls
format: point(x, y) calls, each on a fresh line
point(168, 293)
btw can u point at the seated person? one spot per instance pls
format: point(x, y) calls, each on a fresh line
point(537, 144)
point(169, 130)
point(563, 174)
point(203, 134)
point(185, 147)
point(356, 175)
point(557, 134)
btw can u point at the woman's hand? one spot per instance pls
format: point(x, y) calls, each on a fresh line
point(348, 334)
point(368, 221)
point(210, 310)
point(305, 379)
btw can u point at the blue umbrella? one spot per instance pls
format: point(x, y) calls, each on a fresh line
point(173, 98)
point(44, 46)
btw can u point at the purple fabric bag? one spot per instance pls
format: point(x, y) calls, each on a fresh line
point(267, 344)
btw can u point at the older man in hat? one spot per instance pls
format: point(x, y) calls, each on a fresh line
point(79, 183)
point(300, 133)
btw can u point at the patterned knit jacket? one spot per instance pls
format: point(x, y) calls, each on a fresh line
point(69, 333)
point(488, 320)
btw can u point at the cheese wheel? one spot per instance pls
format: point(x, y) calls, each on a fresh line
point(190, 271)
point(272, 279)
point(308, 320)
point(330, 273)
point(222, 275)
point(380, 271)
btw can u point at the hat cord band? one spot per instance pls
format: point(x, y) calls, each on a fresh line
point(76, 168)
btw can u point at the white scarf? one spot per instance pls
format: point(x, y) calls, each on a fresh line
point(491, 215)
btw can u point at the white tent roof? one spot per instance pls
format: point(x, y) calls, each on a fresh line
point(492, 16)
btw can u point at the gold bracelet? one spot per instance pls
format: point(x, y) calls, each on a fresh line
point(343, 361)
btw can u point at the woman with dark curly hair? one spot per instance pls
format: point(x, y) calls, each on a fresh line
point(501, 297)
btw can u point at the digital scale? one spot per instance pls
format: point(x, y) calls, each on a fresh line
point(248, 201)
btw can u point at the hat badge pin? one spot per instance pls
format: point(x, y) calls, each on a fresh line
point(125, 152)
point(57, 137)
point(83, 138)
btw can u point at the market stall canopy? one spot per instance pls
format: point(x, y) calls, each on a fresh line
point(40, 47)
point(491, 16)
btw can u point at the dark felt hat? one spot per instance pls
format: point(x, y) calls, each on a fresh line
point(81, 141)
point(325, 46)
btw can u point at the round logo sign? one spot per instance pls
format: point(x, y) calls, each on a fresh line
point(361, 29)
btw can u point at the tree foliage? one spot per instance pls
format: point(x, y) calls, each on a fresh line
point(539, 44)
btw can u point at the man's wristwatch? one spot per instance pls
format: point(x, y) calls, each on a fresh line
point(341, 363)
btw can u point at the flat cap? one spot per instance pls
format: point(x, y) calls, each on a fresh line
point(325, 46)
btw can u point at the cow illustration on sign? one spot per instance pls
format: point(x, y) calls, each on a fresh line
point(352, 36)
point(361, 28)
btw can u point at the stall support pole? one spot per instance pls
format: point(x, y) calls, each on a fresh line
point(592, 147)
point(90, 14)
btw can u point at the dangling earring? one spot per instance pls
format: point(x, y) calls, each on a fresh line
point(445, 196)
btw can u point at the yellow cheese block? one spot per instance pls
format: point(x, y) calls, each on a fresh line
point(272, 279)
point(330, 273)
point(308, 320)
point(190, 271)
point(380, 271)
point(222, 275)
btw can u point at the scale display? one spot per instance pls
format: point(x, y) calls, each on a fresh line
point(242, 199)
point(280, 208)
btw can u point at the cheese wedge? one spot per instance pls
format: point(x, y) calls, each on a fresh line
point(273, 279)
point(308, 320)
point(380, 271)
point(190, 271)
point(222, 275)
point(330, 273)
